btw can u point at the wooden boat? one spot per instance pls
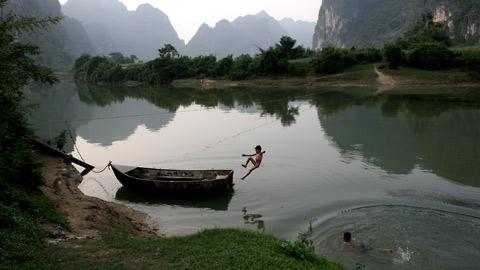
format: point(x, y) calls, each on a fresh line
point(174, 181)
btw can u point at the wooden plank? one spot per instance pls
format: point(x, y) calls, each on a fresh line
point(43, 147)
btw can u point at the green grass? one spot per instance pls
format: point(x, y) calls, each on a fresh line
point(210, 249)
point(441, 76)
point(305, 61)
point(358, 73)
point(466, 48)
point(300, 67)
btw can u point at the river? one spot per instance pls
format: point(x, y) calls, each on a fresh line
point(398, 171)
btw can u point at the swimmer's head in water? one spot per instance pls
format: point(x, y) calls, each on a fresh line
point(258, 148)
point(347, 236)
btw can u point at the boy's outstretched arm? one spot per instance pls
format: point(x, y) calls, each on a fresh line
point(246, 155)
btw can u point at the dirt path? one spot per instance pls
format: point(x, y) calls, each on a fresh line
point(89, 217)
point(385, 80)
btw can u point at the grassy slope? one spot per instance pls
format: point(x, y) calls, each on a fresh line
point(411, 75)
point(211, 249)
point(360, 73)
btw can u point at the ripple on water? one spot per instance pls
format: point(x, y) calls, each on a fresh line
point(421, 238)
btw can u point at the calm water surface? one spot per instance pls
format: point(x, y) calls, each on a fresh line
point(400, 172)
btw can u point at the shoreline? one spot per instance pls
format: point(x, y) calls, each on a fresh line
point(106, 235)
point(362, 76)
point(88, 217)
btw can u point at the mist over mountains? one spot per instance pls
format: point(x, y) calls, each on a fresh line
point(244, 35)
point(302, 31)
point(111, 27)
point(59, 44)
point(104, 26)
point(101, 27)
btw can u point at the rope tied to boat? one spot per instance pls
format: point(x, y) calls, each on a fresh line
point(104, 169)
point(73, 141)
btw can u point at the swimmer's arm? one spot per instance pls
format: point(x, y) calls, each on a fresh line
point(386, 250)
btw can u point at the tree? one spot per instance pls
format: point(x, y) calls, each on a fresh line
point(273, 62)
point(425, 31)
point(19, 178)
point(287, 49)
point(241, 67)
point(394, 55)
point(133, 58)
point(223, 67)
point(204, 66)
point(333, 60)
point(80, 62)
point(168, 51)
point(431, 56)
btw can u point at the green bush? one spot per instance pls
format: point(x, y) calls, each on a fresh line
point(469, 59)
point(368, 55)
point(425, 31)
point(333, 60)
point(394, 55)
point(241, 67)
point(223, 67)
point(204, 66)
point(431, 56)
point(299, 67)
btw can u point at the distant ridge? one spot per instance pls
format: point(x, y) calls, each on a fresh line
point(112, 28)
point(246, 34)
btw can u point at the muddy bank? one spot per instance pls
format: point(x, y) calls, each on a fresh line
point(88, 217)
point(310, 82)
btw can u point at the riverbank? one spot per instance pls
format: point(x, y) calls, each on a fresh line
point(357, 76)
point(88, 217)
point(211, 249)
point(105, 235)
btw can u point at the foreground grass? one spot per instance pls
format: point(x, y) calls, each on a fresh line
point(211, 249)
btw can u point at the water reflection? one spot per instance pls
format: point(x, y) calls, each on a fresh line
point(274, 102)
point(103, 115)
point(217, 202)
point(399, 133)
point(438, 133)
point(253, 219)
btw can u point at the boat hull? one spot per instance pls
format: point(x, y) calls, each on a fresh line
point(177, 185)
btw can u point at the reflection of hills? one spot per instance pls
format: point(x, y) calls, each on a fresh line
point(105, 114)
point(383, 142)
point(107, 129)
point(399, 134)
point(58, 105)
point(273, 102)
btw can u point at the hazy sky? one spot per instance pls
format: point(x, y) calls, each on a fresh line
point(187, 15)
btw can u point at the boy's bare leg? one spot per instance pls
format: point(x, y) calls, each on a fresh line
point(248, 160)
point(249, 172)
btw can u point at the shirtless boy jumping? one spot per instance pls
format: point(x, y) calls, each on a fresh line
point(256, 162)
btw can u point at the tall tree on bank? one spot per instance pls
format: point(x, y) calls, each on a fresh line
point(21, 206)
point(17, 69)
